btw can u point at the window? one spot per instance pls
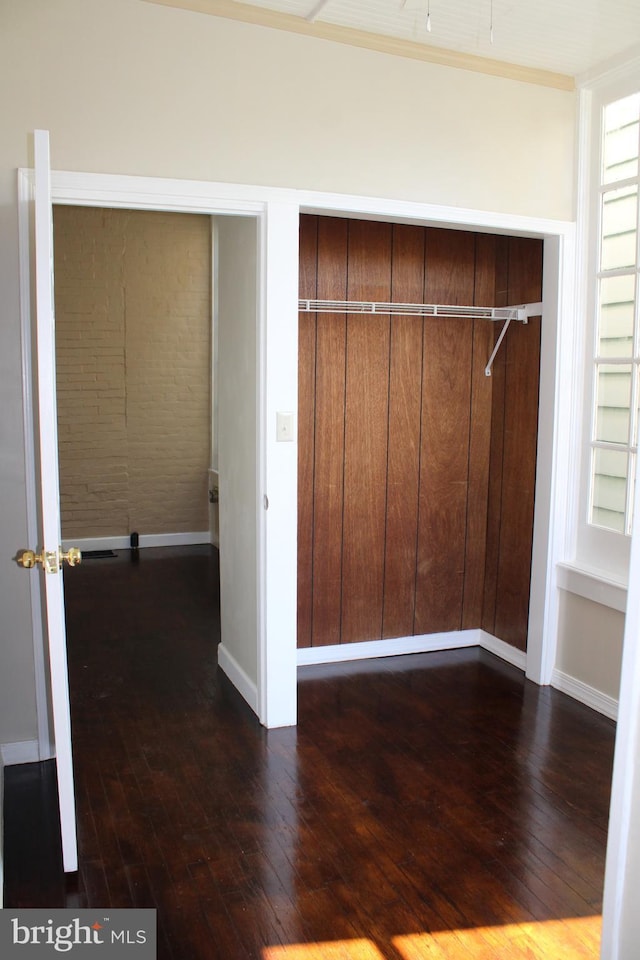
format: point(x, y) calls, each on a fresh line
point(616, 370)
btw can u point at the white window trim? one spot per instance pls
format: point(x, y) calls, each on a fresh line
point(593, 585)
point(600, 554)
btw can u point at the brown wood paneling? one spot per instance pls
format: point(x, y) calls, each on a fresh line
point(479, 436)
point(520, 447)
point(306, 425)
point(405, 399)
point(416, 473)
point(449, 273)
point(365, 467)
point(330, 416)
point(449, 267)
point(494, 496)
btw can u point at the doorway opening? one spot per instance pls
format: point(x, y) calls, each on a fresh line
point(161, 360)
point(135, 376)
point(137, 444)
point(239, 231)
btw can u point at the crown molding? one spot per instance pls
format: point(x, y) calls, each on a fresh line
point(263, 17)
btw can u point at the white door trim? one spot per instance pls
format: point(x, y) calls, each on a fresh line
point(280, 392)
point(47, 481)
point(92, 190)
point(557, 401)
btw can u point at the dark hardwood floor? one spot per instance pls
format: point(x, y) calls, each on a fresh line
point(434, 806)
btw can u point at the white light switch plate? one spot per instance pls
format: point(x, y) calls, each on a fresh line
point(284, 427)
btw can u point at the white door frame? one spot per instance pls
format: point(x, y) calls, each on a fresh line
point(557, 395)
point(176, 196)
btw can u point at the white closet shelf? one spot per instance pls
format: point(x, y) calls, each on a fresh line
point(414, 309)
point(520, 313)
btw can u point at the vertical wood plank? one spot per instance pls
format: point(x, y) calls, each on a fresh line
point(479, 436)
point(494, 499)
point(405, 399)
point(306, 420)
point(329, 427)
point(449, 278)
point(366, 429)
point(520, 447)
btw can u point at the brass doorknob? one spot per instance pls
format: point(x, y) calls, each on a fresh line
point(29, 559)
point(48, 558)
point(73, 556)
point(51, 560)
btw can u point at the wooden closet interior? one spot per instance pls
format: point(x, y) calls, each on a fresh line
point(416, 471)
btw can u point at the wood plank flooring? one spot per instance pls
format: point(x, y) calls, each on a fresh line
point(431, 807)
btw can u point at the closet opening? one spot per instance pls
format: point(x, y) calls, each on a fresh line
point(416, 470)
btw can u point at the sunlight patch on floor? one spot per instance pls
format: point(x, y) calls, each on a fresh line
point(331, 950)
point(576, 938)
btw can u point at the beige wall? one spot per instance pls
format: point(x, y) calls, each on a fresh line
point(136, 88)
point(590, 639)
point(133, 332)
point(130, 87)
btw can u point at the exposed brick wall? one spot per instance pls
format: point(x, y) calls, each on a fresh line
point(133, 349)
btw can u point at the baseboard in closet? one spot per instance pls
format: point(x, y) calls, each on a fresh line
point(457, 640)
point(517, 658)
point(425, 643)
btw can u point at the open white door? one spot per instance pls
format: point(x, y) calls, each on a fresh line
point(49, 557)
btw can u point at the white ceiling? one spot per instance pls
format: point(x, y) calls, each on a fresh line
point(563, 36)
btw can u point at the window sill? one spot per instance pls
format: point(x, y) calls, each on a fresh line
point(593, 585)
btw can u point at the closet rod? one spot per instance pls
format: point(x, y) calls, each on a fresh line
point(413, 309)
point(520, 313)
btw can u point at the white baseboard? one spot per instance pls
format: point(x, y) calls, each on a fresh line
point(456, 640)
point(425, 643)
point(24, 751)
point(241, 681)
point(505, 651)
point(585, 694)
point(146, 540)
